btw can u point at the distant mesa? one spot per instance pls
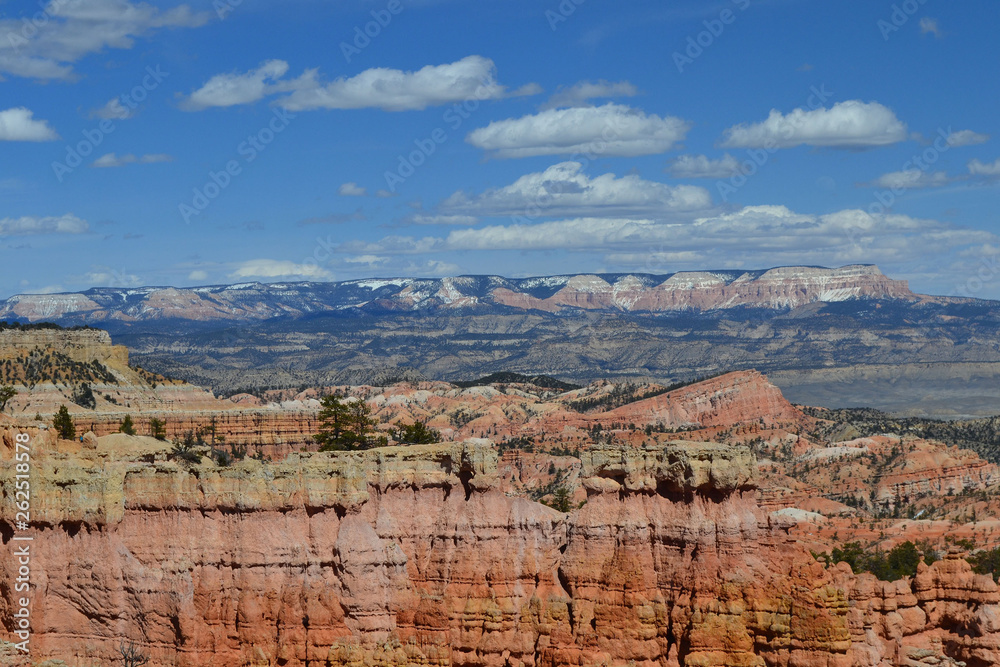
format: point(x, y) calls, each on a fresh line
point(783, 288)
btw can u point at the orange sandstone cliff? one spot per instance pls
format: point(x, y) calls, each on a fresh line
point(415, 556)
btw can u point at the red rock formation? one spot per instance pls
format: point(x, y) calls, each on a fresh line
point(323, 560)
point(730, 399)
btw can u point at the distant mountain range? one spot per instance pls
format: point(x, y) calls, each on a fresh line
point(842, 337)
point(775, 289)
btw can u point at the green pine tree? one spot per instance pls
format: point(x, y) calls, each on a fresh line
point(7, 392)
point(127, 427)
point(63, 424)
point(346, 426)
point(417, 434)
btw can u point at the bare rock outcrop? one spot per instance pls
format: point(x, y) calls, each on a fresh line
point(414, 556)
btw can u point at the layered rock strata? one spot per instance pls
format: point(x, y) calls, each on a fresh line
point(413, 556)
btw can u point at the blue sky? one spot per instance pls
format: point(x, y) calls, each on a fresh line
point(260, 140)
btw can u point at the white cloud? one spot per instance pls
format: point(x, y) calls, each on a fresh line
point(930, 26)
point(225, 90)
point(272, 268)
point(73, 30)
point(581, 93)
point(105, 277)
point(113, 110)
point(65, 224)
point(851, 124)
point(351, 190)
point(371, 260)
point(110, 160)
point(912, 179)
point(991, 169)
point(18, 124)
point(701, 166)
point(198, 274)
point(565, 190)
point(382, 193)
point(421, 219)
point(473, 77)
point(966, 138)
point(612, 129)
point(754, 236)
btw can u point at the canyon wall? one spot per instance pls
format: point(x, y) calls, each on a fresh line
point(414, 556)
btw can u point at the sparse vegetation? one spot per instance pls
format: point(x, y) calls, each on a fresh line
point(561, 500)
point(186, 448)
point(980, 435)
point(63, 424)
point(541, 381)
point(416, 434)
point(346, 425)
point(624, 394)
point(84, 397)
point(986, 561)
point(127, 427)
point(131, 655)
point(7, 392)
point(158, 428)
point(47, 365)
point(900, 561)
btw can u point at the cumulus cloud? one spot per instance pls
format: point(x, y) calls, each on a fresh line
point(382, 193)
point(912, 179)
point(612, 129)
point(473, 77)
point(73, 30)
point(198, 274)
point(966, 138)
point(581, 93)
point(754, 237)
point(565, 189)
point(226, 90)
point(111, 160)
point(851, 124)
point(27, 225)
point(701, 166)
point(351, 190)
point(272, 268)
point(747, 236)
point(19, 124)
point(989, 169)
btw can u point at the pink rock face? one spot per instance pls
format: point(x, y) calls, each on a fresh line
point(780, 288)
point(787, 287)
point(414, 556)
